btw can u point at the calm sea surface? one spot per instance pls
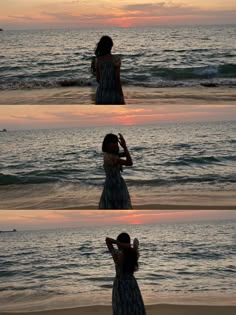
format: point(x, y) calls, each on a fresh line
point(180, 56)
point(71, 267)
point(50, 167)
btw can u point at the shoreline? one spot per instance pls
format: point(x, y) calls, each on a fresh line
point(166, 207)
point(55, 197)
point(161, 309)
point(135, 207)
point(134, 95)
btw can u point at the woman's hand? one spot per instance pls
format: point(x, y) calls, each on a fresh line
point(128, 161)
point(121, 140)
point(110, 240)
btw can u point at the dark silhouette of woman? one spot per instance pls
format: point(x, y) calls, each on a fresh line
point(126, 295)
point(106, 67)
point(115, 193)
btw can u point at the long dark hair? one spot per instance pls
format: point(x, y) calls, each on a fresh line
point(104, 46)
point(109, 138)
point(130, 263)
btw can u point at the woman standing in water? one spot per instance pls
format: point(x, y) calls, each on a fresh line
point(115, 194)
point(126, 296)
point(106, 67)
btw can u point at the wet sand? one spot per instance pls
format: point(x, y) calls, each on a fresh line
point(58, 197)
point(133, 96)
point(160, 309)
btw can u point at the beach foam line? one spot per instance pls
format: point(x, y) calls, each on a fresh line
point(134, 95)
point(160, 309)
point(163, 207)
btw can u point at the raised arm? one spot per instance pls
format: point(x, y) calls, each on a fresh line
point(116, 257)
point(122, 154)
point(110, 241)
point(126, 153)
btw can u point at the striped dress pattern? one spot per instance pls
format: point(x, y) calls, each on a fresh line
point(115, 193)
point(126, 295)
point(107, 90)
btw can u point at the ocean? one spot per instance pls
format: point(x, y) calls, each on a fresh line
point(54, 65)
point(183, 164)
point(183, 263)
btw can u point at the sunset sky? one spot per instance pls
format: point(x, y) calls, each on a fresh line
point(65, 116)
point(41, 14)
point(43, 219)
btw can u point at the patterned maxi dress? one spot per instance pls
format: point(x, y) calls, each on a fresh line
point(108, 92)
point(115, 193)
point(126, 296)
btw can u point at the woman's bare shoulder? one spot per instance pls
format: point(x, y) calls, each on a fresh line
point(111, 159)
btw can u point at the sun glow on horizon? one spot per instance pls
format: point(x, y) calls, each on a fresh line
point(16, 117)
point(136, 222)
point(102, 13)
point(47, 219)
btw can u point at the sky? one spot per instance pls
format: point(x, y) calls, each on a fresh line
point(45, 219)
point(17, 117)
point(41, 14)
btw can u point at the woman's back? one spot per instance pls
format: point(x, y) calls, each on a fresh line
point(107, 73)
point(111, 167)
point(109, 90)
point(126, 295)
point(125, 264)
point(115, 194)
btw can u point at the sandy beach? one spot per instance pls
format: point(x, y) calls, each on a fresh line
point(133, 96)
point(180, 166)
point(185, 268)
point(51, 196)
point(160, 309)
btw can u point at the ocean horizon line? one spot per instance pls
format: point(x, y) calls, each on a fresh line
point(123, 126)
point(119, 27)
point(48, 229)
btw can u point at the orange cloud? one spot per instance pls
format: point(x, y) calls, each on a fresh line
point(80, 14)
point(37, 219)
point(27, 117)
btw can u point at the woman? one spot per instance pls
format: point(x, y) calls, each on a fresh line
point(115, 194)
point(107, 70)
point(126, 296)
